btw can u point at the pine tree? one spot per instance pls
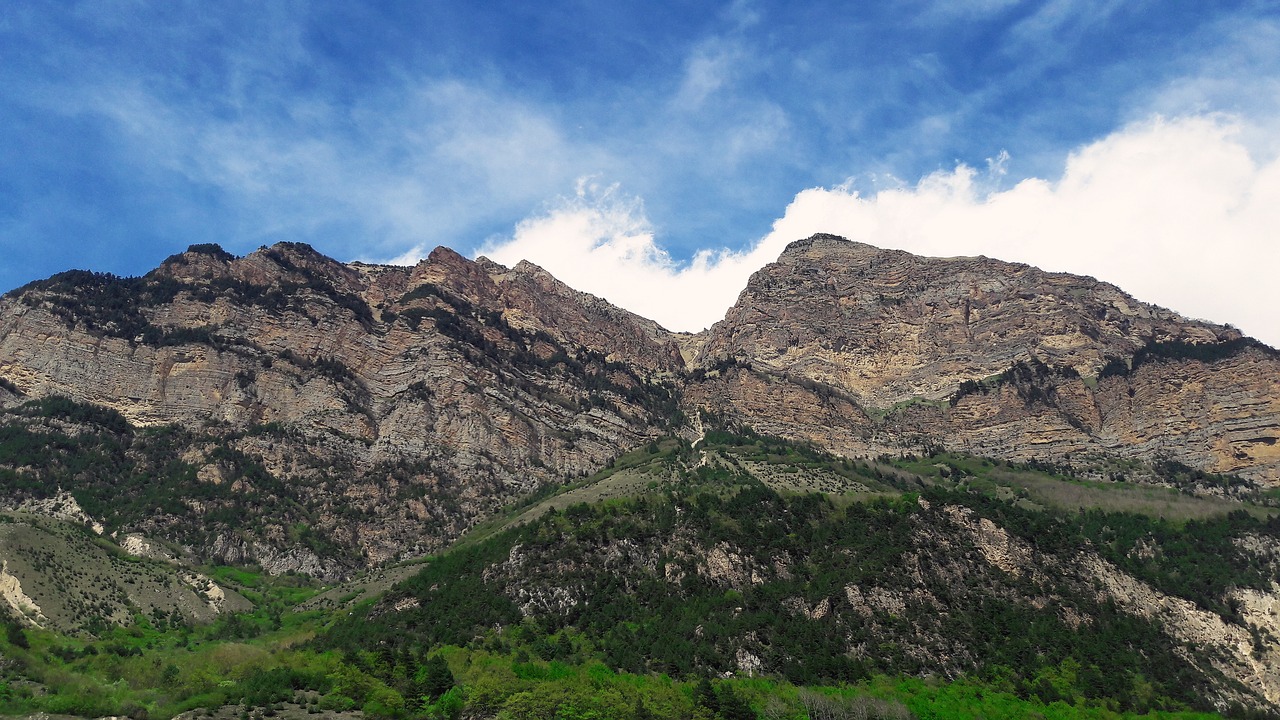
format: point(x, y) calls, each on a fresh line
point(641, 712)
point(437, 679)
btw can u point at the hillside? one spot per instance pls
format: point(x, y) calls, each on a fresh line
point(785, 569)
point(709, 569)
point(61, 576)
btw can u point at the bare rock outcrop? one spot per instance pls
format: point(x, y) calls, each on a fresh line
point(395, 406)
point(1066, 365)
point(432, 393)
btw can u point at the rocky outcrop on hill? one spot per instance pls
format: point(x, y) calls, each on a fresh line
point(435, 392)
point(942, 583)
point(382, 410)
point(993, 358)
point(56, 575)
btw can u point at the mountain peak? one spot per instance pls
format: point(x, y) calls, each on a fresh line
point(818, 239)
point(821, 246)
point(443, 255)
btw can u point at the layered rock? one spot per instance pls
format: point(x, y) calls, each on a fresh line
point(902, 335)
point(452, 381)
point(888, 326)
point(394, 406)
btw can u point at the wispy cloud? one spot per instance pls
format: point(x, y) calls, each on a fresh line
point(1234, 68)
point(1060, 24)
point(951, 10)
point(425, 163)
point(706, 71)
point(416, 159)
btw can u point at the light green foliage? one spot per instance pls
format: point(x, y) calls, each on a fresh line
point(498, 685)
point(1061, 487)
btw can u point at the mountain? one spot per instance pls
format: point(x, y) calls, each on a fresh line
point(321, 417)
point(883, 486)
point(383, 409)
point(864, 350)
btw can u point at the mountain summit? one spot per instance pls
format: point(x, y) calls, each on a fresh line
point(332, 416)
point(994, 358)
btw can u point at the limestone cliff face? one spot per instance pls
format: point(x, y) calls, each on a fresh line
point(1221, 417)
point(777, 404)
point(899, 334)
point(533, 300)
point(889, 326)
point(453, 381)
point(397, 405)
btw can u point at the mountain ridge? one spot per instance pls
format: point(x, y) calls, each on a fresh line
point(895, 331)
point(877, 465)
point(394, 407)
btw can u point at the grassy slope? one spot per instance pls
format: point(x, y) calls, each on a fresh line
point(69, 579)
point(1061, 489)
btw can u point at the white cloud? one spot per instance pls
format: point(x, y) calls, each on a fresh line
point(601, 242)
point(1175, 211)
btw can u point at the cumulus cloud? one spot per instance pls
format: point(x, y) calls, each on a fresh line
point(600, 241)
point(1177, 212)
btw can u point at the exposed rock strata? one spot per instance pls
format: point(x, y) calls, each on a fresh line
point(456, 381)
point(898, 334)
point(398, 405)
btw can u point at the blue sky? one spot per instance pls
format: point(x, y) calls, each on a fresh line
point(673, 138)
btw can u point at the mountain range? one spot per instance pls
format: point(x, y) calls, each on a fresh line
point(321, 419)
point(392, 407)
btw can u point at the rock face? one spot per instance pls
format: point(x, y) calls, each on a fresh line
point(418, 398)
point(889, 326)
point(383, 410)
point(1072, 366)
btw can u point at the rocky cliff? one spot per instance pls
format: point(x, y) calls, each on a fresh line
point(378, 411)
point(990, 357)
point(396, 404)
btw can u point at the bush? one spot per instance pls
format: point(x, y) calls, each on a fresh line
point(384, 702)
point(16, 636)
point(447, 706)
point(336, 702)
